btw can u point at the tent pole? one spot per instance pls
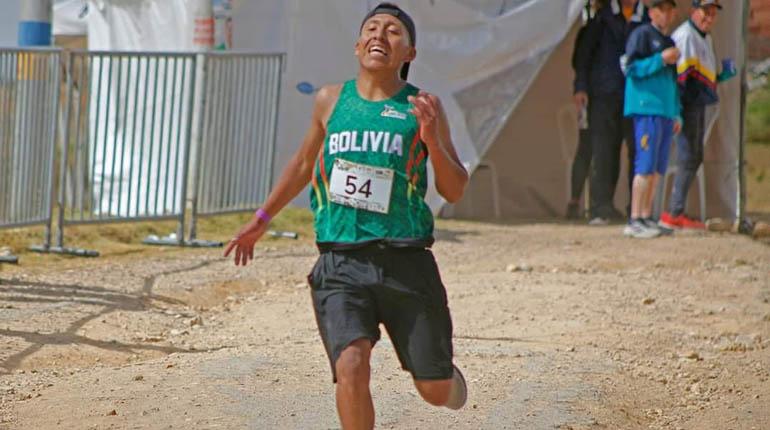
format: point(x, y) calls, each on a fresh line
point(741, 207)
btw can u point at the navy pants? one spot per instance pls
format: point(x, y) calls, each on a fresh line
point(609, 128)
point(689, 155)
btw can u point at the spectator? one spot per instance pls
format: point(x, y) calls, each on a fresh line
point(698, 80)
point(581, 164)
point(652, 100)
point(599, 84)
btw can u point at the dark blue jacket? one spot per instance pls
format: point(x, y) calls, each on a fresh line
point(651, 87)
point(601, 44)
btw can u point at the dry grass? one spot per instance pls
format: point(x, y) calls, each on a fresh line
point(758, 181)
point(758, 116)
point(125, 238)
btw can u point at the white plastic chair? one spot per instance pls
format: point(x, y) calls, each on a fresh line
point(488, 164)
point(567, 121)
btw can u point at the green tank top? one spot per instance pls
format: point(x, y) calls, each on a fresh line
point(370, 178)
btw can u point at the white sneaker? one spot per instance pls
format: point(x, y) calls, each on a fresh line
point(599, 221)
point(629, 230)
point(648, 233)
point(650, 223)
point(639, 230)
point(458, 393)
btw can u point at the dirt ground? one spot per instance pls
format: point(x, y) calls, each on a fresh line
point(556, 326)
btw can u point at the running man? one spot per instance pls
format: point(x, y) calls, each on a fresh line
point(366, 153)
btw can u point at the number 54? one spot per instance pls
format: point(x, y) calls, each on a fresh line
point(351, 188)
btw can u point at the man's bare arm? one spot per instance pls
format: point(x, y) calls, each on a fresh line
point(451, 176)
point(294, 178)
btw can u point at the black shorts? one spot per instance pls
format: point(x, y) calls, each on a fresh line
point(357, 290)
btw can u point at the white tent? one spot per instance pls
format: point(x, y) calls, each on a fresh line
point(502, 69)
point(70, 17)
point(9, 23)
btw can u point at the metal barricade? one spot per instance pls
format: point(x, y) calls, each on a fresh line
point(127, 124)
point(126, 137)
point(238, 128)
point(29, 106)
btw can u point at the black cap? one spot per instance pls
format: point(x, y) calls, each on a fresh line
point(656, 3)
point(704, 3)
point(393, 10)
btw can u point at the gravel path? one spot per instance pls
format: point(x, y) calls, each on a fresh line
point(556, 327)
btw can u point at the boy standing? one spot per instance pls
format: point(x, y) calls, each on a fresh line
point(652, 100)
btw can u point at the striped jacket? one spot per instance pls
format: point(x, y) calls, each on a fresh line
point(697, 66)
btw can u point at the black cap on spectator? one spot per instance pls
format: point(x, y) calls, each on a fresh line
point(704, 3)
point(656, 3)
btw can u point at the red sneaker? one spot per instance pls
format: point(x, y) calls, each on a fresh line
point(691, 223)
point(671, 222)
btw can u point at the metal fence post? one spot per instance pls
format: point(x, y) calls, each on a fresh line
point(186, 157)
point(281, 61)
point(197, 170)
point(64, 160)
point(64, 139)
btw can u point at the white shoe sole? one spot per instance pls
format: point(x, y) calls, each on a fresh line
point(646, 234)
point(599, 222)
point(668, 226)
point(458, 394)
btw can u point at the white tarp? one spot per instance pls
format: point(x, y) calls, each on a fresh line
point(260, 26)
point(69, 17)
point(9, 23)
point(147, 25)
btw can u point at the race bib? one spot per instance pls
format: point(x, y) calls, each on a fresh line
point(361, 186)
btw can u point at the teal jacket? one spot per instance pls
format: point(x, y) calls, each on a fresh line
point(651, 87)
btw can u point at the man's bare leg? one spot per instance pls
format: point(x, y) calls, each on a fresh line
point(451, 393)
point(354, 400)
point(434, 392)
